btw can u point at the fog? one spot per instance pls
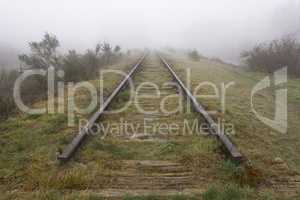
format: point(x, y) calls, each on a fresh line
point(216, 28)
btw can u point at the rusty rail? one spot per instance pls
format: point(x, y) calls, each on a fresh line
point(79, 138)
point(230, 147)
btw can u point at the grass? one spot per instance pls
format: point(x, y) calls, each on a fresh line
point(29, 145)
point(228, 192)
point(244, 175)
point(141, 198)
point(176, 148)
point(153, 197)
point(258, 142)
point(29, 169)
point(106, 157)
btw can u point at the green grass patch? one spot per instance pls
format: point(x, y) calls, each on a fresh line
point(172, 149)
point(240, 174)
point(228, 192)
point(154, 197)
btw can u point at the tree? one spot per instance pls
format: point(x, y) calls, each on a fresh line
point(72, 66)
point(117, 49)
point(194, 55)
point(43, 53)
point(91, 63)
point(97, 49)
point(107, 52)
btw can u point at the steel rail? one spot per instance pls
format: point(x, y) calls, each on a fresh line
point(230, 147)
point(78, 139)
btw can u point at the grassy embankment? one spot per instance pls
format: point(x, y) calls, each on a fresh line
point(273, 155)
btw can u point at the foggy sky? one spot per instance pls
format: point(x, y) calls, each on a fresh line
point(215, 27)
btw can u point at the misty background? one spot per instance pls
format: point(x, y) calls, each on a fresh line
point(215, 28)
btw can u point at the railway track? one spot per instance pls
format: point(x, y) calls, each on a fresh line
point(146, 172)
point(76, 142)
point(74, 145)
point(229, 146)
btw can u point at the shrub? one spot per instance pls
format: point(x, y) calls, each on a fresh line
point(44, 54)
point(72, 66)
point(6, 93)
point(30, 90)
point(271, 56)
point(217, 60)
point(86, 66)
point(194, 55)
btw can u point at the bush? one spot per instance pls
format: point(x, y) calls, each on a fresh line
point(86, 66)
point(72, 65)
point(6, 94)
point(217, 60)
point(31, 91)
point(44, 54)
point(194, 55)
point(269, 57)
